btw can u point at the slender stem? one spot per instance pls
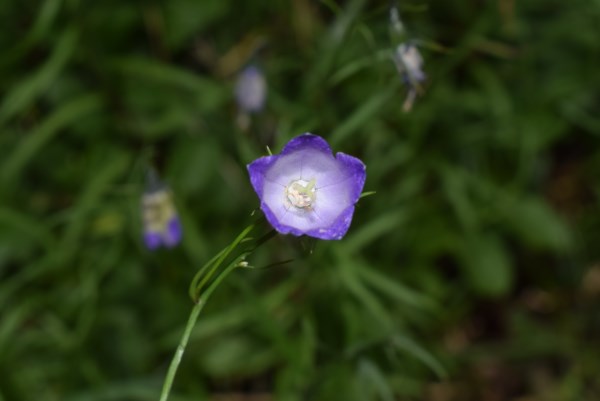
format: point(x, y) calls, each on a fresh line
point(166, 390)
point(200, 297)
point(215, 262)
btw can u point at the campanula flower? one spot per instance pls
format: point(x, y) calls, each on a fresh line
point(409, 64)
point(251, 90)
point(162, 226)
point(406, 57)
point(306, 190)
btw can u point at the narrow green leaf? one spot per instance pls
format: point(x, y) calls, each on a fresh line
point(91, 196)
point(537, 224)
point(403, 343)
point(331, 44)
point(368, 193)
point(347, 70)
point(48, 11)
point(364, 114)
point(24, 93)
point(394, 289)
point(35, 141)
point(373, 229)
point(356, 286)
point(197, 285)
point(372, 376)
point(208, 93)
point(14, 220)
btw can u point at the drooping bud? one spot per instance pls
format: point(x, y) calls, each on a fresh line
point(251, 90)
point(162, 226)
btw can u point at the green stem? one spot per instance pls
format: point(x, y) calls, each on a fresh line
point(200, 280)
point(166, 390)
point(215, 262)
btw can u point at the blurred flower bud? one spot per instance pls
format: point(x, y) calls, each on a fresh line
point(409, 64)
point(251, 90)
point(162, 226)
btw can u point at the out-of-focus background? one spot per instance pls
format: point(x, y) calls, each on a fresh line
point(472, 274)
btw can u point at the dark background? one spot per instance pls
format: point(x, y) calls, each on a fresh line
point(472, 274)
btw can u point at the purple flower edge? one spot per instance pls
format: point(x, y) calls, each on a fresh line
point(152, 240)
point(170, 238)
point(356, 171)
point(334, 231)
point(306, 141)
point(173, 234)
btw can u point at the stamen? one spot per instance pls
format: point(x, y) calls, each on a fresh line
point(301, 194)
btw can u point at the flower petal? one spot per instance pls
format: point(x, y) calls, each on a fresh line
point(173, 232)
point(251, 90)
point(152, 240)
point(356, 170)
point(337, 229)
point(284, 215)
point(283, 223)
point(306, 141)
point(338, 184)
point(287, 168)
point(258, 170)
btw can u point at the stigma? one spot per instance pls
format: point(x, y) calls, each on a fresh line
point(301, 194)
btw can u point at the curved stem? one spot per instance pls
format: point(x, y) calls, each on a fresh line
point(196, 285)
point(200, 297)
point(166, 390)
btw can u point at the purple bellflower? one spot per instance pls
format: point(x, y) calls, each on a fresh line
point(162, 226)
point(407, 58)
point(306, 190)
point(409, 64)
point(251, 90)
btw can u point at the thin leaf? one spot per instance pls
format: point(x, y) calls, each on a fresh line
point(24, 93)
point(395, 289)
point(363, 114)
point(35, 141)
point(409, 346)
point(371, 374)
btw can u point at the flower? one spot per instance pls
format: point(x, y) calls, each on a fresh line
point(306, 190)
point(409, 64)
point(251, 89)
point(161, 222)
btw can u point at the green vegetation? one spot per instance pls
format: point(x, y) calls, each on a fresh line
point(472, 274)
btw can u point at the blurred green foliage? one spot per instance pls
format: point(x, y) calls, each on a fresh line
point(472, 274)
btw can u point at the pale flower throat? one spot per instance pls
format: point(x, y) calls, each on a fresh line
point(301, 194)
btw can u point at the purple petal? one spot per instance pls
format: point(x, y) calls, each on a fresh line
point(277, 225)
point(152, 240)
point(338, 184)
point(305, 164)
point(172, 235)
point(337, 229)
point(356, 171)
point(258, 170)
point(251, 90)
point(306, 141)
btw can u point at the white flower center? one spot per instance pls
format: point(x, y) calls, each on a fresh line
point(157, 210)
point(301, 194)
